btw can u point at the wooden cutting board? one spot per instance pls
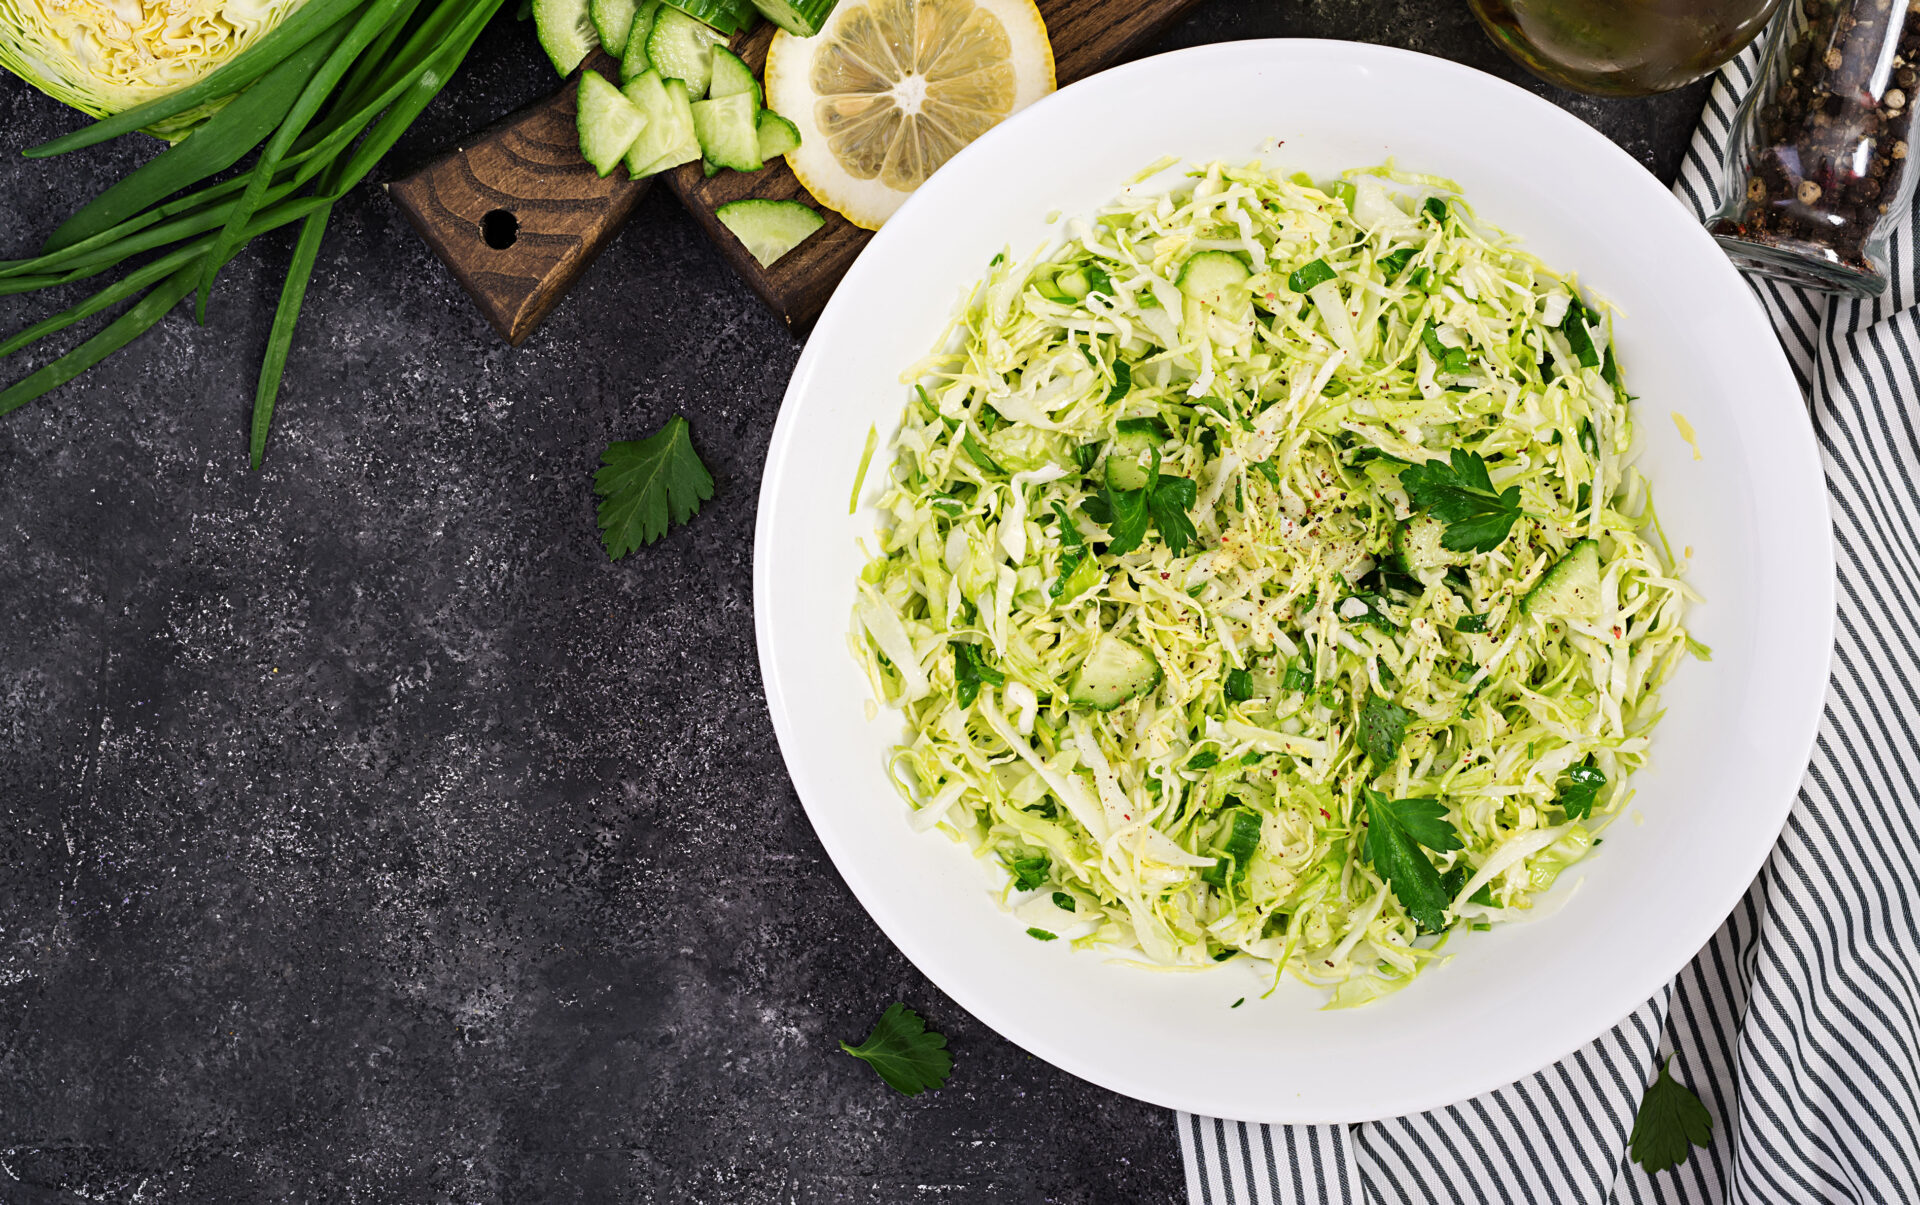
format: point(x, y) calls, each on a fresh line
point(517, 214)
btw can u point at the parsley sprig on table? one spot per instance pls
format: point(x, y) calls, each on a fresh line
point(1671, 1122)
point(643, 483)
point(904, 1052)
point(1461, 495)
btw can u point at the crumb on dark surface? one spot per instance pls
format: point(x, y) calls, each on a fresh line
point(366, 836)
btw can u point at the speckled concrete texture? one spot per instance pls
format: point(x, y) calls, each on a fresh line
point(366, 836)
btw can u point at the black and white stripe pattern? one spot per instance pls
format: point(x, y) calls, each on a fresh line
point(1799, 1024)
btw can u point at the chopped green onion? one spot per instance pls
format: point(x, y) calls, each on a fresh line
point(860, 476)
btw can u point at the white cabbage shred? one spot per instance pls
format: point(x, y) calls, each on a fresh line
point(1293, 413)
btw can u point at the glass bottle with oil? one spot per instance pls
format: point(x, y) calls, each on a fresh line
point(1623, 47)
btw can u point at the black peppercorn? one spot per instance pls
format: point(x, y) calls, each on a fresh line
point(1817, 167)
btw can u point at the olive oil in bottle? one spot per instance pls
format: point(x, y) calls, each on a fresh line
point(1622, 47)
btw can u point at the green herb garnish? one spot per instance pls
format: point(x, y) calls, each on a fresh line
point(1396, 831)
point(1314, 272)
point(1671, 1122)
point(645, 484)
point(1461, 495)
point(904, 1052)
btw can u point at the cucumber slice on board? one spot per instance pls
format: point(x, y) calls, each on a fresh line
point(613, 19)
point(732, 77)
point(635, 63)
point(777, 135)
point(802, 18)
point(609, 123)
point(566, 32)
point(770, 229)
point(1570, 589)
point(1215, 278)
point(668, 140)
point(682, 48)
point(1113, 672)
point(727, 16)
point(724, 127)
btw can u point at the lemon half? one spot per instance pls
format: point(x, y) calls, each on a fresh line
point(890, 89)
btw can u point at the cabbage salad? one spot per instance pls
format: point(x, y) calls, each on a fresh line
point(1264, 578)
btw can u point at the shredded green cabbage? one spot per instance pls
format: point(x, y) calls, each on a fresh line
point(1292, 414)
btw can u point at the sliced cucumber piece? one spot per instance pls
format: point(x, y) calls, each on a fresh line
point(1113, 672)
point(613, 20)
point(777, 135)
point(668, 139)
point(769, 229)
point(1570, 589)
point(1417, 546)
point(731, 77)
point(566, 32)
point(802, 18)
point(1128, 458)
point(1215, 278)
point(634, 62)
point(727, 16)
point(724, 126)
point(681, 48)
point(609, 123)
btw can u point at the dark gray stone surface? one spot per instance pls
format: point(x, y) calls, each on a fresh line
point(366, 836)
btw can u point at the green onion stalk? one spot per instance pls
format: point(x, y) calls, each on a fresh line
point(317, 101)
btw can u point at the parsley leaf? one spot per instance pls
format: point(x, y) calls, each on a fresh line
point(1308, 275)
point(904, 1052)
point(1574, 327)
point(1396, 829)
point(1065, 902)
point(643, 482)
point(1161, 504)
point(1029, 873)
point(1127, 517)
point(1122, 381)
point(1168, 502)
point(1461, 495)
point(1041, 934)
point(1671, 1121)
point(1580, 789)
point(1239, 685)
point(970, 669)
point(1396, 263)
point(1383, 725)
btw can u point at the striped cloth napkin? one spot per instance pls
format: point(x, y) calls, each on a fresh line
point(1799, 1024)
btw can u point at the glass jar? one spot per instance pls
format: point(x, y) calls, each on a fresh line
point(1818, 174)
point(1622, 47)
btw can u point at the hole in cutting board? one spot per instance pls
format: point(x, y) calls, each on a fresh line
point(500, 228)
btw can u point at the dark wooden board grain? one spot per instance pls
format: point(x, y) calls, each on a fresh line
point(562, 213)
point(530, 166)
point(1087, 36)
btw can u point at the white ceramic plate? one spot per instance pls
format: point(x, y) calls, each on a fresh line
point(1726, 761)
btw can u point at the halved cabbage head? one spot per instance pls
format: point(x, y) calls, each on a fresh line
point(106, 56)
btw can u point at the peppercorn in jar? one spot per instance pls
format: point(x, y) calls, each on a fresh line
point(1818, 171)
